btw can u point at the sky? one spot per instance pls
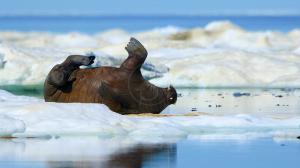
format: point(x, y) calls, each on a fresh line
point(150, 6)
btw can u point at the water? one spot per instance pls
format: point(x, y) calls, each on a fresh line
point(93, 24)
point(96, 152)
point(28, 90)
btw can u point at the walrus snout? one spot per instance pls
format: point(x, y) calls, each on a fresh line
point(171, 94)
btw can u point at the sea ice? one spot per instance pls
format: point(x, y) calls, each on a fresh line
point(221, 54)
point(35, 118)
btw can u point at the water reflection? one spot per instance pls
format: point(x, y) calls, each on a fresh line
point(140, 154)
point(86, 152)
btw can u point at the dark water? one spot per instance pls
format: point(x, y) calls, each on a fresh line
point(27, 90)
point(93, 24)
point(261, 153)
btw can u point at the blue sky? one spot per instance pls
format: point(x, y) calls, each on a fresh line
point(150, 6)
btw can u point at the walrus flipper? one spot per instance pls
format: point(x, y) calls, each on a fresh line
point(63, 73)
point(137, 54)
point(57, 76)
point(78, 60)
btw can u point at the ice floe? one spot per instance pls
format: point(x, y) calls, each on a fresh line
point(35, 118)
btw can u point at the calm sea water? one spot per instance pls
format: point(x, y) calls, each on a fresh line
point(93, 24)
point(69, 152)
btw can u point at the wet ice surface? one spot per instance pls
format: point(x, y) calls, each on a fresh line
point(280, 103)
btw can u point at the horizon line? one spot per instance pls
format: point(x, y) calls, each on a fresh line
point(203, 13)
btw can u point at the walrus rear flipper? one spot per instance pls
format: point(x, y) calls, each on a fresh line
point(137, 55)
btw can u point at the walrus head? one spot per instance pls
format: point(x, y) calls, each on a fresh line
point(171, 95)
point(153, 99)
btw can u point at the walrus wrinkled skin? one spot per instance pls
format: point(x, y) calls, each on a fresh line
point(123, 89)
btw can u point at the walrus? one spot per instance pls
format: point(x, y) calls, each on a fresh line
point(123, 89)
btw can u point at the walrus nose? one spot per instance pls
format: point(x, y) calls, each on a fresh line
point(172, 94)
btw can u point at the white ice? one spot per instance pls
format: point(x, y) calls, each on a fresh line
point(31, 117)
point(221, 54)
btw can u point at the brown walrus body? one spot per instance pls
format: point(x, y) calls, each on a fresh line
point(123, 90)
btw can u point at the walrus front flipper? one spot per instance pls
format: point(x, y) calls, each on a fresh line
point(61, 74)
point(137, 55)
point(78, 60)
point(57, 76)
